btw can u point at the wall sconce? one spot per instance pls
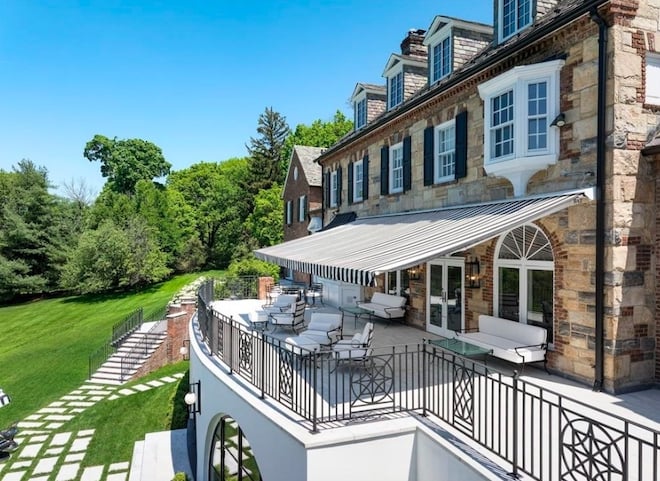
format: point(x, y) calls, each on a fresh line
point(414, 274)
point(193, 398)
point(472, 274)
point(185, 349)
point(560, 120)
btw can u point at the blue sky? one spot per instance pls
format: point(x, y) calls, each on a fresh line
point(190, 76)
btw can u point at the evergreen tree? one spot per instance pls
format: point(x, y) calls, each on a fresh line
point(266, 151)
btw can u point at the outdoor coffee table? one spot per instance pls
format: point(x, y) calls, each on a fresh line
point(356, 312)
point(462, 348)
point(259, 320)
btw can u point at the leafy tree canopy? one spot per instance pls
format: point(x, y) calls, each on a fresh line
point(125, 162)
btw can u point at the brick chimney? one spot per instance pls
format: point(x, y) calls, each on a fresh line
point(413, 44)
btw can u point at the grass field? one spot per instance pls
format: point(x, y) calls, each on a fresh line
point(45, 344)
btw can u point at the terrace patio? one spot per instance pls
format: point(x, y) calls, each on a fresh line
point(532, 424)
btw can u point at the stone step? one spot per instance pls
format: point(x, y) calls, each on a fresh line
point(135, 474)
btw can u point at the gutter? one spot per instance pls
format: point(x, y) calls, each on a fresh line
point(600, 202)
point(534, 36)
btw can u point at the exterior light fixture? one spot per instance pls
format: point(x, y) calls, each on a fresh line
point(414, 274)
point(560, 120)
point(185, 349)
point(193, 398)
point(472, 274)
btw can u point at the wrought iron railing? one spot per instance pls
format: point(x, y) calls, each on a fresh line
point(532, 430)
point(134, 358)
point(125, 328)
point(242, 287)
point(98, 357)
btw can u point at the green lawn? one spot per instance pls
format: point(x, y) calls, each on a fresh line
point(45, 345)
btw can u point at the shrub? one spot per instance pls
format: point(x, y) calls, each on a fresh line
point(253, 267)
point(180, 476)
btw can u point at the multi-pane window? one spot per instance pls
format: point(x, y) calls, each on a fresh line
point(395, 94)
point(333, 189)
point(358, 176)
point(441, 60)
point(396, 168)
point(537, 115)
point(445, 155)
point(360, 110)
point(501, 125)
point(652, 73)
point(302, 208)
point(515, 15)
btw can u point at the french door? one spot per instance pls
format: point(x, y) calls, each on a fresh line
point(445, 287)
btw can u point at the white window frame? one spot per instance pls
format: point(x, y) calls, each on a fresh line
point(524, 266)
point(360, 112)
point(445, 65)
point(396, 171)
point(301, 209)
point(333, 188)
point(289, 212)
point(519, 22)
point(444, 154)
point(522, 162)
point(395, 89)
point(652, 79)
point(358, 168)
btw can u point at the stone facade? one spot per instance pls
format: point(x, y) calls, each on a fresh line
point(632, 309)
point(466, 44)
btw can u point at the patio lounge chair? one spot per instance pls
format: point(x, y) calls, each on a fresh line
point(358, 348)
point(283, 303)
point(324, 328)
point(291, 319)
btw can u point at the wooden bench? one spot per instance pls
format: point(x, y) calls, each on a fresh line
point(385, 306)
point(509, 340)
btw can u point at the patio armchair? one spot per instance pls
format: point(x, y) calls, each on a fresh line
point(324, 328)
point(358, 348)
point(272, 293)
point(283, 303)
point(291, 319)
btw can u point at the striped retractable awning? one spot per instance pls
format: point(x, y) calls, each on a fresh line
point(359, 251)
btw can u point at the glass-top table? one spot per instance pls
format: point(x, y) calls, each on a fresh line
point(461, 348)
point(356, 311)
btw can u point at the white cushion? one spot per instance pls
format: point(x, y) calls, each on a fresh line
point(523, 334)
point(388, 300)
point(326, 321)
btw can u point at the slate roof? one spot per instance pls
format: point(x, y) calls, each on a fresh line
point(307, 156)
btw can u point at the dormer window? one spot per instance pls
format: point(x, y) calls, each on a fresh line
point(441, 59)
point(395, 90)
point(360, 112)
point(514, 16)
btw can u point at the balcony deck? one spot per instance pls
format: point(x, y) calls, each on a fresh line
point(543, 425)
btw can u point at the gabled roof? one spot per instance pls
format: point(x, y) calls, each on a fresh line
point(369, 88)
point(440, 22)
point(396, 58)
point(307, 156)
point(564, 13)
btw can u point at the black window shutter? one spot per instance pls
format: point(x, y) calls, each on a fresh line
point(428, 155)
point(350, 182)
point(294, 213)
point(304, 208)
point(461, 145)
point(365, 177)
point(384, 170)
point(326, 191)
point(286, 210)
point(338, 186)
point(407, 164)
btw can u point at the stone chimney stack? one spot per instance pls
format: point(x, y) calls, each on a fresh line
point(413, 44)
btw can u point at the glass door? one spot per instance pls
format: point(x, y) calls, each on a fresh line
point(445, 299)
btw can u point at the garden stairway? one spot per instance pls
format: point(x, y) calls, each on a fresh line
point(134, 351)
point(160, 456)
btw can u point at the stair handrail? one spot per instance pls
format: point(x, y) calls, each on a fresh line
point(125, 328)
point(132, 357)
point(99, 356)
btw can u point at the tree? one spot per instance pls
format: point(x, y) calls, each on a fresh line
point(125, 162)
point(265, 221)
point(319, 134)
point(266, 151)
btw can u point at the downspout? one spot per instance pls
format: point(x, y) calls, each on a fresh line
point(600, 203)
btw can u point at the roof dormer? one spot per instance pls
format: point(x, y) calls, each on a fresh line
point(369, 102)
point(406, 72)
point(451, 42)
point(514, 16)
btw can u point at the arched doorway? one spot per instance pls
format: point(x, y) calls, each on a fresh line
point(231, 456)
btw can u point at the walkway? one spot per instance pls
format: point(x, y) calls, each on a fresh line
point(48, 452)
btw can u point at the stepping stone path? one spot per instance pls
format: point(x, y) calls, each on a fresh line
point(46, 453)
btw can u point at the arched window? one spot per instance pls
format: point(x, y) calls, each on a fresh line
point(524, 268)
point(231, 455)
